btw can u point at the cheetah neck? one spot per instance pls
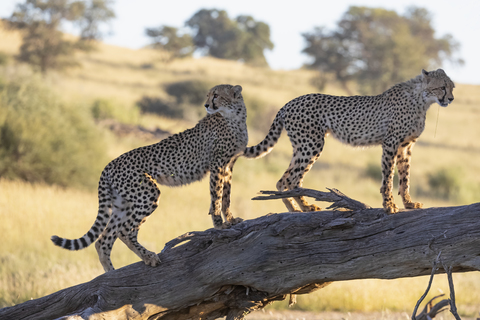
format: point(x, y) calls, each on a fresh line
point(236, 120)
point(415, 89)
point(240, 116)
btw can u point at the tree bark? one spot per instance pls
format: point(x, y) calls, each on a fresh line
point(234, 271)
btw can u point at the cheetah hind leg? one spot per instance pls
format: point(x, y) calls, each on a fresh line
point(104, 248)
point(306, 207)
point(107, 238)
point(293, 176)
point(294, 203)
point(134, 215)
point(142, 210)
point(289, 203)
point(149, 258)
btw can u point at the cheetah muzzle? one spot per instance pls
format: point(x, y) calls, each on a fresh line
point(393, 119)
point(128, 190)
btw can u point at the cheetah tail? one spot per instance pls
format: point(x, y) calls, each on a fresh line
point(265, 146)
point(94, 232)
point(80, 243)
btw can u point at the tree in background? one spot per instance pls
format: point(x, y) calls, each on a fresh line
point(240, 39)
point(170, 40)
point(331, 55)
point(378, 47)
point(44, 45)
point(255, 39)
point(213, 33)
point(96, 12)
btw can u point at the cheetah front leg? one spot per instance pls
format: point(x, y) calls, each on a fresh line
point(216, 193)
point(404, 156)
point(388, 164)
point(227, 188)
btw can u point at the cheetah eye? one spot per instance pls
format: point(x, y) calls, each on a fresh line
point(215, 96)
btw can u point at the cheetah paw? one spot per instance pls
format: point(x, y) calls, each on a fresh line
point(391, 208)
point(235, 221)
point(413, 205)
point(311, 207)
point(225, 225)
point(151, 259)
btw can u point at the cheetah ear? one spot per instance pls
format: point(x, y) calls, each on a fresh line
point(426, 76)
point(236, 91)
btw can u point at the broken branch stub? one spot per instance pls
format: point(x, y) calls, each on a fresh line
point(338, 199)
point(431, 310)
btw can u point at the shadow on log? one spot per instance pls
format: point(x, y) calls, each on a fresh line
point(215, 273)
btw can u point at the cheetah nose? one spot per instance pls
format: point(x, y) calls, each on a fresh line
point(206, 105)
point(450, 99)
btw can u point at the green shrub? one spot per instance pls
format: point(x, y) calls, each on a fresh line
point(374, 172)
point(191, 91)
point(4, 58)
point(445, 183)
point(260, 113)
point(45, 140)
point(108, 109)
point(103, 109)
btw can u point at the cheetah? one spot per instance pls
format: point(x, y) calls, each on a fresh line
point(129, 191)
point(393, 119)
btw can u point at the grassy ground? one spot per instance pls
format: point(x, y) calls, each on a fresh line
point(30, 266)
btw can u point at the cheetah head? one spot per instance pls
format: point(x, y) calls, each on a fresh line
point(438, 87)
point(226, 100)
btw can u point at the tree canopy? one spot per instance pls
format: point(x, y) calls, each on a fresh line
point(44, 45)
point(170, 39)
point(213, 33)
point(378, 47)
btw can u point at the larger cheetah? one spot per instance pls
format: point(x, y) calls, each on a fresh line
point(128, 190)
point(393, 119)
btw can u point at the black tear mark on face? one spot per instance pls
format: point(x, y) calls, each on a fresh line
point(215, 96)
point(444, 92)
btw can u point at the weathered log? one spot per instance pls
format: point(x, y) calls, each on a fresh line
point(206, 275)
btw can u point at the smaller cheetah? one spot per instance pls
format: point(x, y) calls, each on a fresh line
point(128, 190)
point(393, 119)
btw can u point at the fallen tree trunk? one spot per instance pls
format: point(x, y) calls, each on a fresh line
point(234, 271)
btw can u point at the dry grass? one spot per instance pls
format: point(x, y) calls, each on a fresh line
point(337, 315)
point(32, 267)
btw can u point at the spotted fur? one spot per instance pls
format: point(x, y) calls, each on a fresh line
point(393, 119)
point(128, 190)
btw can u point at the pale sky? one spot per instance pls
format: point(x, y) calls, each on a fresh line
point(289, 19)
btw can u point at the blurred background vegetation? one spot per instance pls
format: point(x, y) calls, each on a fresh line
point(69, 104)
